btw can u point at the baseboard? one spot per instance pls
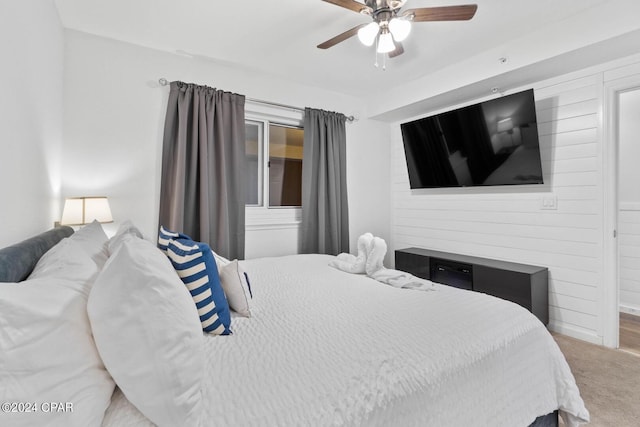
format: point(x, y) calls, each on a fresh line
point(576, 333)
point(630, 309)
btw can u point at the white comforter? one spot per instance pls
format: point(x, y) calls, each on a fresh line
point(329, 348)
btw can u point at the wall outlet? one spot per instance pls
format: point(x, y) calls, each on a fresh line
point(549, 202)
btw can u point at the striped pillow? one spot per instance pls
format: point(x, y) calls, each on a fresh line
point(165, 236)
point(194, 263)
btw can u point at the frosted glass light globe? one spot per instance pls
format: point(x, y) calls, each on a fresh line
point(385, 43)
point(400, 28)
point(368, 33)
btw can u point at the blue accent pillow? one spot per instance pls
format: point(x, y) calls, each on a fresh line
point(165, 236)
point(196, 266)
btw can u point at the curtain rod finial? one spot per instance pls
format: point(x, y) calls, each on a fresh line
point(163, 81)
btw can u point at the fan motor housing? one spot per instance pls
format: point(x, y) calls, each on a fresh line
point(376, 5)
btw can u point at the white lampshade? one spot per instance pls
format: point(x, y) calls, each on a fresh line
point(368, 33)
point(505, 125)
point(83, 210)
point(385, 42)
point(400, 28)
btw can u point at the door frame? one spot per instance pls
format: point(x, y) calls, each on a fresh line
point(610, 150)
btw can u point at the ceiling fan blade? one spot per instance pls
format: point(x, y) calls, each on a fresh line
point(340, 37)
point(399, 50)
point(351, 5)
point(444, 13)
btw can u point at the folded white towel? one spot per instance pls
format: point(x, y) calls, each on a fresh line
point(351, 263)
point(370, 259)
point(401, 279)
point(375, 258)
point(396, 278)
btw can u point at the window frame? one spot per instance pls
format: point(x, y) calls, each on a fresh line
point(262, 164)
point(263, 215)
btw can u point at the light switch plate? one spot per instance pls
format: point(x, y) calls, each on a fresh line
point(549, 202)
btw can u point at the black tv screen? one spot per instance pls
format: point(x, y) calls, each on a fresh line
point(491, 143)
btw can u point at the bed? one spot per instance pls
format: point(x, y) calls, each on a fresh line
point(522, 165)
point(322, 348)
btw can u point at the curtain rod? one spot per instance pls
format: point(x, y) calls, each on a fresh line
point(165, 82)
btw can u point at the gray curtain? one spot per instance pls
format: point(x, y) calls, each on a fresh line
point(202, 190)
point(325, 214)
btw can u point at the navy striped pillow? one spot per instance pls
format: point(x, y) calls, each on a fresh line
point(165, 236)
point(194, 263)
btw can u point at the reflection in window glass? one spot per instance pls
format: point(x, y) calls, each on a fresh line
point(285, 165)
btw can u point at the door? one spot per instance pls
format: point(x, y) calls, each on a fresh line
point(620, 189)
point(628, 229)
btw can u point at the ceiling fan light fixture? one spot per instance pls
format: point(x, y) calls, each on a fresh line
point(392, 23)
point(368, 33)
point(400, 28)
point(385, 42)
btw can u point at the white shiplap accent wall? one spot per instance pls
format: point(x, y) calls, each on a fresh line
point(508, 223)
point(629, 253)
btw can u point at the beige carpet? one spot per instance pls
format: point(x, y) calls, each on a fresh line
point(609, 382)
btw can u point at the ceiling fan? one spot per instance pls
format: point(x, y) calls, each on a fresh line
point(390, 24)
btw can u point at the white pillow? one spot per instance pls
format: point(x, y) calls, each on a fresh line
point(148, 333)
point(236, 288)
point(66, 260)
point(220, 260)
point(125, 229)
point(47, 352)
point(94, 241)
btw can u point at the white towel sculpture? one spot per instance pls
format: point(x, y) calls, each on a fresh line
point(371, 252)
point(351, 263)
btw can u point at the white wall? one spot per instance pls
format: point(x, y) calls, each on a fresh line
point(31, 42)
point(508, 223)
point(629, 201)
point(113, 124)
point(369, 183)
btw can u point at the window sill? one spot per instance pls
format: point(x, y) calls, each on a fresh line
point(277, 218)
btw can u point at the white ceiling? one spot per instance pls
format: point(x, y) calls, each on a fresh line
point(279, 37)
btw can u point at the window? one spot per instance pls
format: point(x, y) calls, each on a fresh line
point(274, 157)
point(253, 152)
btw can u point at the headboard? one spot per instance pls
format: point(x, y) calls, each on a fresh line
point(17, 261)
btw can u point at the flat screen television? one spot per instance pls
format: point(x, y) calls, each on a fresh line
point(491, 143)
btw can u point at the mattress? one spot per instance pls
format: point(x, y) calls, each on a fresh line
point(328, 348)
